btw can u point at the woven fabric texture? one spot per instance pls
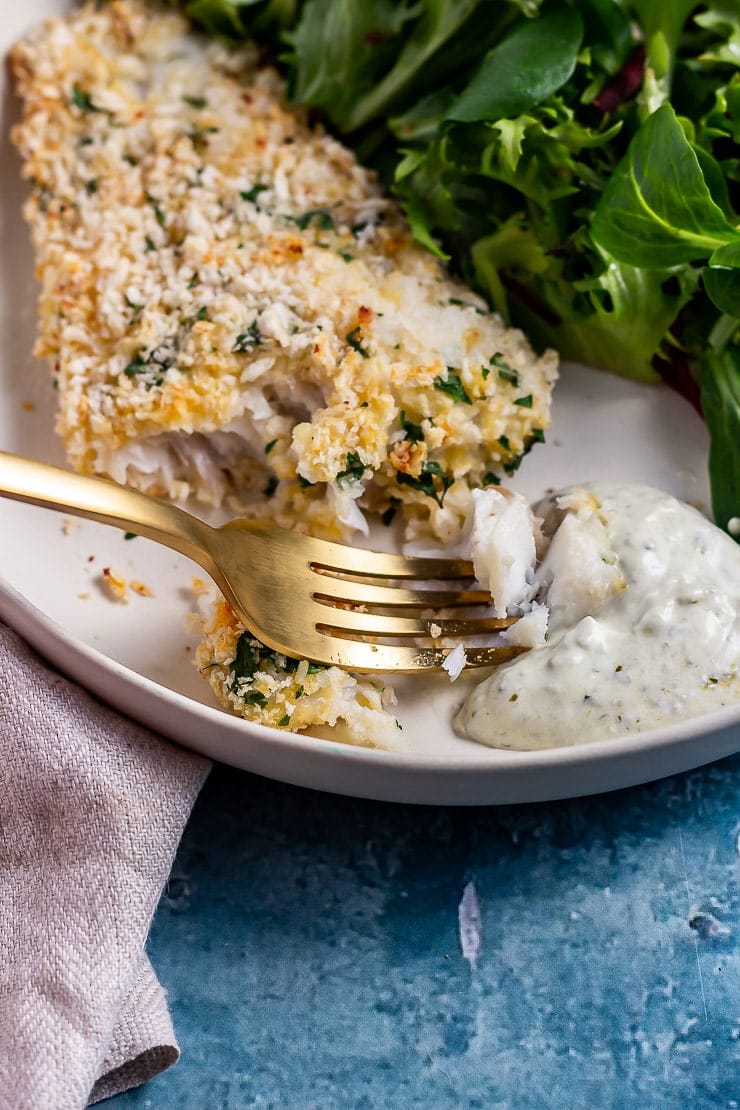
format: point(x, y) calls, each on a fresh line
point(92, 808)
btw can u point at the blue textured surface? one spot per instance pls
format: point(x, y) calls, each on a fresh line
point(314, 953)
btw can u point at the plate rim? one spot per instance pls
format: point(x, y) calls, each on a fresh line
point(650, 754)
point(41, 630)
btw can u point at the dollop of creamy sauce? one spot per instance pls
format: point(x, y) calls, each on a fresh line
point(644, 598)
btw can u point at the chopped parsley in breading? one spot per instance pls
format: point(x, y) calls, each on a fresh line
point(354, 470)
point(159, 213)
point(82, 100)
point(255, 698)
point(464, 304)
point(432, 481)
point(453, 386)
point(321, 217)
point(505, 371)
point(252, 194)
point(246, 660)
point(413, 432)
point(248, 339)
point(353, 338)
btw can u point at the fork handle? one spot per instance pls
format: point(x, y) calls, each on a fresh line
point(51, 487)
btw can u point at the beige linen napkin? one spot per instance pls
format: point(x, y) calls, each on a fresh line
point(91, 811)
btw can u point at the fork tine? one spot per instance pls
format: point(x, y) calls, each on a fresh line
point(355, 655)
point(339, 559)
point(366, 624)
point(335, 592)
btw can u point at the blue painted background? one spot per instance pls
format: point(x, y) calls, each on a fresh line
point(311, 946)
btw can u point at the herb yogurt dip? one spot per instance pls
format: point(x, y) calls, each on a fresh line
point(644, 624)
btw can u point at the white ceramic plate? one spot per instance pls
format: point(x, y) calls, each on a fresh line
point(138, 656)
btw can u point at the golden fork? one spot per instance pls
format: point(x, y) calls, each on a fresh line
point(303, 597)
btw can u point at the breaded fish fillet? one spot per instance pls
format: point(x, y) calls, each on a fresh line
point(231, 306)
point(265, 687)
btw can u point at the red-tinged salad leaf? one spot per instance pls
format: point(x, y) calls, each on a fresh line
point(576, 160)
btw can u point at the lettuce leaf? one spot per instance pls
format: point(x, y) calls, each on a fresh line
point(534, 60)
point(657, 209)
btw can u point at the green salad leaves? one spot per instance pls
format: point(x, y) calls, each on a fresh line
point(578, 161)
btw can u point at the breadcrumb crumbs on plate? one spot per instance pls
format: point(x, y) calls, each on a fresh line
point(141, 588)
point(114, 584)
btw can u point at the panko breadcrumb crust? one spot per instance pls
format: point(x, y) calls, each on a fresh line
point(265, 687)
